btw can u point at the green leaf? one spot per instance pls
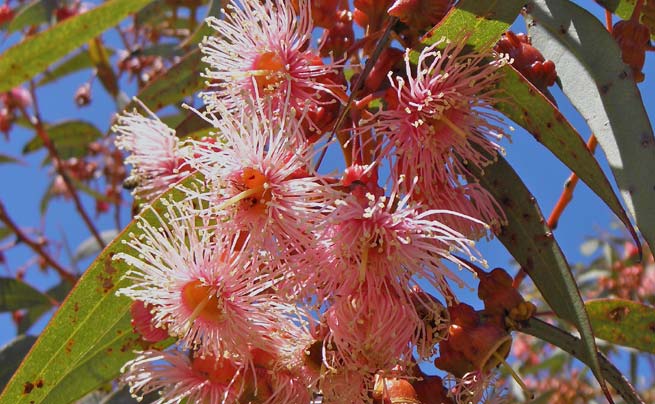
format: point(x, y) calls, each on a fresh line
point(528, 107)
point(75, 63)
point(532, 244)
point(16, 295)
point(33, 314)
point(32, 56)
point(90, 337)
point(5, 232)
point(4, 159)
point(601, 87)
point(192, 125)
point(181, 80)
point(575, 346)
point(12, 354)
point(483, 21)
point(70, 138)
point(623, 322)
point(35, 13)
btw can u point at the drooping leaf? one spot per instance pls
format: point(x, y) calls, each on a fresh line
point(532, 244)
point(90, 337)
point(528, 107)
point(601, 87)
point(99, 56)
point(32, 56)
point(575, 346)
point(75, 63)
point(70, 138)
point(90, 246)
point(35, 13)
point(16, 295)
point(12, 354)
point(181, 80)
point(623, 322)
point(4, 159)
point(5, 232)
point(58, 293)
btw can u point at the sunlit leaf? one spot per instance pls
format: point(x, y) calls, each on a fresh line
point(89, 338)
point(32, 56)
point(15, 295)
point(482, 22)
point(624, 322)
point(601, 87)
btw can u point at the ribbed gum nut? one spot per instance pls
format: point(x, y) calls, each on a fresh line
point(142, 322)
point(527, 59)
point(633, 38)
point(492, 344)
point(497, 292)
point(430, 390)
point(399, 391)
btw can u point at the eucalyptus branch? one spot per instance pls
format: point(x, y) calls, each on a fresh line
point(35, 246)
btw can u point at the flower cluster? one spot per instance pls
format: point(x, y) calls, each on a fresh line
point(279, 283)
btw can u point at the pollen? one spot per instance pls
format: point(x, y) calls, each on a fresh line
point(202, 301)
point(269, 70)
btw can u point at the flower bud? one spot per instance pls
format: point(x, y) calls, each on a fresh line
point(527, 59)
point(420, 15)
point(83, 95)
point(633, 38)
point(340, 37)
point(6, 14)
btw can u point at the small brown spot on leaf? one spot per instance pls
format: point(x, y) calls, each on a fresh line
point(651, 327)
point(28, 387)
point(563, 29)
point(39, 384)
point(605, 88)
point(618, 314)
point(623, 75)
point(69, 345)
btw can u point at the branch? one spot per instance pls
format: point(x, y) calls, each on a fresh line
point(38, 248)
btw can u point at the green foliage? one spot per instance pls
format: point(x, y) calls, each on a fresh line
point(624, 322)
point(32, 56)
point(90, 338)
point(70, 138)
point(601, 87)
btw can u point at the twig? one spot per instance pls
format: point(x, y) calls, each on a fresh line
point(43, 135)
point(35, 246)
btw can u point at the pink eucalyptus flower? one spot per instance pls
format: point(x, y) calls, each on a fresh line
point(388, 241)
point(260, 49)
point(181, 378)
point(440, 117)
point(201, 287)
point(155, 154)
point(262, 180)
